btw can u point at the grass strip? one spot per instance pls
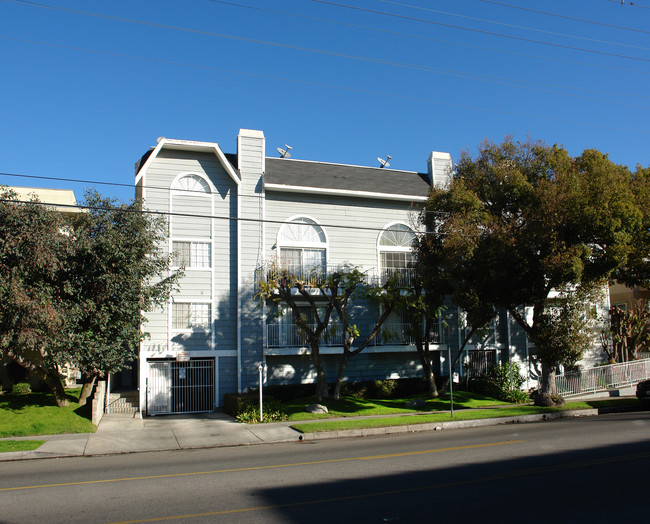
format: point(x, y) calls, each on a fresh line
point(19, 445)
point(37, 414)
point(467, 414)
point(355, 407)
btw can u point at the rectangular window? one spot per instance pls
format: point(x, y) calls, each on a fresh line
point(300, 260)
point(396, 259)
point(190, 315)
point(192, 254)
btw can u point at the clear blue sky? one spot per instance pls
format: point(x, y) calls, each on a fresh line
point(88, 86)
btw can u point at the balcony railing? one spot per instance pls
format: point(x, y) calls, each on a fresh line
point(391, 334)
point(317, 275)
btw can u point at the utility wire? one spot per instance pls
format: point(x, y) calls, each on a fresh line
point(290, 46)
point(341, 87)
point(575, 19)
point(631, 4)
point(166, 189)
point(421, 37)
point(481, 31)
point(194, 215)
point(514, 26)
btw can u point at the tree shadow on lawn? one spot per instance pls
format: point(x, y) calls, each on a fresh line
point(21, 401)
point(354, 406)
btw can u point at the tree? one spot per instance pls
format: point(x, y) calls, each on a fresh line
point(34, 247)
point(444, 268)
point(528, 221)
point(116, 273)
point(629, 331)
point(327, 298)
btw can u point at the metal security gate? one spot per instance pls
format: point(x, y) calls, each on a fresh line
point(181, 387)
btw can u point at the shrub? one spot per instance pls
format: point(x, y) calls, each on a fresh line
point(234, 404)
point(503, 382)
point(273, 412)
point(21, 388)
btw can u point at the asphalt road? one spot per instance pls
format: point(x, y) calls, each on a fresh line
point(573, 470)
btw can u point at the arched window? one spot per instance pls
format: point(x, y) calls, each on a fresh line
point(302, 246)
point(192, 183)
point(396, 250)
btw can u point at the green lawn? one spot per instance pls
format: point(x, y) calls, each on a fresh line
point(19, 445)
point(509, 410)
point(355, 407)
point(37, 414)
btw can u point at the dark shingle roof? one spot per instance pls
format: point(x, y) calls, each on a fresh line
point(321, 175)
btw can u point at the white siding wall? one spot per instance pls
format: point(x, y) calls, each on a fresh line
point(362, 219)
point(217, 285)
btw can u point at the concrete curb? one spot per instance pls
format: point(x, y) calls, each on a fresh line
point(437, 426)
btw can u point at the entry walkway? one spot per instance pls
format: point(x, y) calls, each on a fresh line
point(122, 433)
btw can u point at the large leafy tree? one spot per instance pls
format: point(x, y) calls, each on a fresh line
point(526, 221)
point(34, 248)
point(117, 271)
point(320, 304)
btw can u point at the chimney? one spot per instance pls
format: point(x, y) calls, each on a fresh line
point(251, 152)
point(439, 167)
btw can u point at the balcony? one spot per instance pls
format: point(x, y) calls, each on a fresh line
point(314, 276)
point(394, 336)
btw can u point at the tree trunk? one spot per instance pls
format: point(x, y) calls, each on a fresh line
point(548, 396)
point(87, 388)
point(422, 346)
point(548, 378)
point(339, 377)
point(56, 387)
point(432, 389)
point(321, 379)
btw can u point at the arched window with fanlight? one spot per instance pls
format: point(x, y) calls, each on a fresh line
point(395, 246)
point(190, 224)
point(302, 246)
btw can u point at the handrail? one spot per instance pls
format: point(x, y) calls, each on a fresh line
point(602, 378)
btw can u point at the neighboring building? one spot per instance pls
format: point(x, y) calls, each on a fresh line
point(229, 216)
point(63, 201)
point(624, 297)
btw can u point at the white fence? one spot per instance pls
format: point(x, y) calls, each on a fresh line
point(602, 378)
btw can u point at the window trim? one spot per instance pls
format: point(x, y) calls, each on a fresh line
point(192, 329)
point(191, 241)
point(301, 245)
point(392, 249)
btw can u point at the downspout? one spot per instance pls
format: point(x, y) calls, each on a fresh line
point(239, 311)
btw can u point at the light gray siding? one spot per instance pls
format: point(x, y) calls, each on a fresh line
point(251, 147)
point(352, 225)
point(198, 217)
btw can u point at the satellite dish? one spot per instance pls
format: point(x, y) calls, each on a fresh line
point(384, 163)
point(284, 153)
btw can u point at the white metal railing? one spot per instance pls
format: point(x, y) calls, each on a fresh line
point(602, 378)
point(392, 333)
point(316, 274)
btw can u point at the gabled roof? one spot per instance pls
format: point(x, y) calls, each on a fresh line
point(303, 176)
point(185, 145)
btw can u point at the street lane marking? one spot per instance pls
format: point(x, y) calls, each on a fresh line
point(274, 466)
point(514, 474)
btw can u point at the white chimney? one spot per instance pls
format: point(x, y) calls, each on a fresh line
point(440, 168)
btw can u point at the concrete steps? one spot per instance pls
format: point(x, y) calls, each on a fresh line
point(123, 402)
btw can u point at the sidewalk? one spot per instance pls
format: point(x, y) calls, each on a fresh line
point(119, 433)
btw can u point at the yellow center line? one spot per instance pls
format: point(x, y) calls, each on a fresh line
point(476, 480)
point(273, 466)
